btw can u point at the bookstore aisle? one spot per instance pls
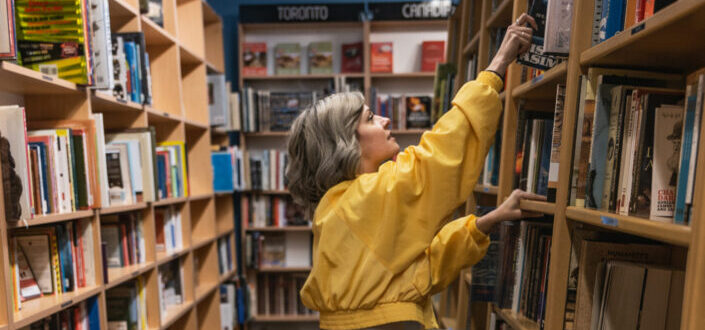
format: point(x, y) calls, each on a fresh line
point(110, 217)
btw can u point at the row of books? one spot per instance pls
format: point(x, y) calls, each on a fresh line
point(529, 73)
point(167, 221)
point(278, 294)
point(490, 172)
point(235, 169)
point(264, 110)
point(225, 257)
point(50, 260)
point(126, 305)
point(614, 16)
point(522, 279)
point(287, 57)
point(228, 306)
point(403, 111)
point(82, 316)
point(171, 286)
point(443, 90)
point(289, 249)
point(123, 237)
point(131, 72)
point(258, 211)
point(637, 143)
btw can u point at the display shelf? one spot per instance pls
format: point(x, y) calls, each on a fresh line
point(669, 40)
point(537, 206)
point(266, 134)
point(123, 208)
point(292, 77)
point(285, 318)
point(664, 232)
point(403, 75)
point(472, 46)
point(155, 34)
point(51, 218)
point(39, 308)
point(502, 16)
point(225, 277)
point(197, 243)
point(155, 115)
point(410, 131)
point(203, 290)
point(279, 229)
point(163, 257)
point(516, 321)
point(491, 190)
point(170, 201)
point(542, 87)
point(200, 197)
point(117, 276)
point(283, 269)
point(173, 313)
point(102, 102)
point(20, 80)
point(188, 56)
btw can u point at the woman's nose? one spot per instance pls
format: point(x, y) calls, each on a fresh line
point(385, 121)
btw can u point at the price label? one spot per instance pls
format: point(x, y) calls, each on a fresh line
point(609, 221)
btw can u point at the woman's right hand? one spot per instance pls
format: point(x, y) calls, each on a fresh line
point(516, 41)
point(509, 210)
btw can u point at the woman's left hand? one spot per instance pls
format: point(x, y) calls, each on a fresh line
point(508, 211)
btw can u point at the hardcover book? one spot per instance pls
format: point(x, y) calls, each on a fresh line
point(418, 111)
point(351, 58)
point(668, 126)
point(432, 53)
point(287, 58)
point(320, 57)
point(381, 57)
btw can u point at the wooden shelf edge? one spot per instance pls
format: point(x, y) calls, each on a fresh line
point(491, 190)
point(126, 6)
point(103, 101)
point(133, 272)
point(17, 75)
point(284, 318)
point(174, 313)
point(194, 124)
point(122, 208)
point(665, 232)
point(472, 45)
point(170, 201)
point(61, 302)
point(195, 58)
point(200, 197)
point(556, 74)
point(203, 293)
point(277, 229)
point(536, 206)
point(199, 243)
point(497, 14)
point(283, 269)
point(51, 218)
point(516, 321)
point(162, 36)
point(225, 277)
point(163, 258)
point(161, 116)
point(266, 134)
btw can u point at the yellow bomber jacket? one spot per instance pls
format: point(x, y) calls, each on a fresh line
point(381, 245)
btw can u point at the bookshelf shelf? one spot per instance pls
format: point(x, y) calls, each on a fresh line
point(472, 46)
point(285, 318)
point(411, 131)
point(212, 68)
point(197, 243)
point(284, 269)
point(223, 193)
point(163, 257)
point(502, 16)
point(102, 102)
point(20, 80)
point(123, 208)
point(403, 75)
point(205, 289)
point(120, 8)
point(51, 218)
point(542, 87)
point(225, 277)
point(671, 39)
point(188, 57)
point(491, 190)
point(515, 320)
point(170, 201)
point(200, 197)
point(194, 125)
point(156, 35)
point(279, 229)
point(38, 308)
point(117, 276)
point(174, 313)
point(536, 206)
point(156, 116)
point(303, 76)
point(219, 131)
point(267, 134)
point(665, 232)
point(267, 192)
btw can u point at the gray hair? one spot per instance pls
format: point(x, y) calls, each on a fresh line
point(323, 147)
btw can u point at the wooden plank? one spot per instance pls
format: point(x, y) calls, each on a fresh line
point(117, 276)
point(491, 190)
point(501, 17)
point(102, 102)
point(170, 201)
point(122, 208)
point(472, 46)
point(155, 34)
point(20, 80)
point(516, 321)
point(537, 206)
point(173, 313)
point(542, 87)
point(39, 308)
point(51, 218)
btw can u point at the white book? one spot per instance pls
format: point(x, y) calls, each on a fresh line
point(141, 145)
point(668, 129)
point(516, 297)
point(177, 229)
point(100, 158)
point(298, 249)
point(625, 157)
point(235, 123)
point(59, 184)
point(118, 175)
point(101, 44)
point(559, 16)
point(85, 229)
point(533, 158)
point(13, 135)
point(67, 166)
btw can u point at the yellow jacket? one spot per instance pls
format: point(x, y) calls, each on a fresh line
point(381, 248)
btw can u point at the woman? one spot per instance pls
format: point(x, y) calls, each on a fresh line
point(382, 246)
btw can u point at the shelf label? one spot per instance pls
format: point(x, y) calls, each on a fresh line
point(485, 189)
point(638, 28)
point(166, 114)
point(123, 101)
point(609, 221)
point(536, 79)
point(47, 78)
point(66, 304)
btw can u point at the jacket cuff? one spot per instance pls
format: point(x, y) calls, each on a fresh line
point(491, 79)
point(475, 233)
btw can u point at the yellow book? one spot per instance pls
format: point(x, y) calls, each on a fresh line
point(65, 135)
point(17, 303)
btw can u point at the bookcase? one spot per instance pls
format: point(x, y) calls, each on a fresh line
point(182, 52)
point(665, 42)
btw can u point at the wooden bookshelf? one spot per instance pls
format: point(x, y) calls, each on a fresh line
point(117, 276)
point(471, 47)
point(542, 87)
point(502, 16)
point(516, 321)
point(536, 206)
point(279, 229)
point(285, 318)
point(38, 308)
point(173, 313)
point(123, 208)
point(51, 218)
point(491, 190)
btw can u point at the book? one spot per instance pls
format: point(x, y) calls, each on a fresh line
point(153, 10)
point(555, 157)
point(15, 164)
point(28, 285)
point(668, 126)
point(37, 250)
point(559, 18)
point(381, 57)
point(432, 53)
point(536, 57)
point(218, 106)
point(320, 57)
point(254, 59)
point(287, 59)
point(418, 111)
point(120, 186)
point(100, 45)
point(8, 48)
point(351, 58)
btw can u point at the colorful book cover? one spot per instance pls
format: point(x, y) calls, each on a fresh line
point(668, 126)
point(418, 111)
point(320, 57)
point(535, 57)
point(351, 58)
point(254, 59)
point(432, 53)
point(381, 57)
point(287, 58)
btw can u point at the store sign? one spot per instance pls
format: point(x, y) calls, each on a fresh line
point(434, 9)
point(301, 13)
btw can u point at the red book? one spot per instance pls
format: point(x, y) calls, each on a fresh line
point(159, 225)
point(381, 57)
point(123, 238)
point(167, 171)
point(254, 59)
point(351, 58)
point(432, 53)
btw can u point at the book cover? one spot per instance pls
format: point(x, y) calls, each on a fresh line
point(418, 111)
point(285, 107)
point(28, 285)
point(154, 11)
point(432, 53)
point(8, 48)
point(381, 57)
point(351, 59)
point(287, 58)
point(556, 144)
point(100, 44)
point(668, 126)
point(37, 250)
point(559, 18)
point(217, 100)
point(119, 184)
point(254, 59)
point(66, 257)
point(535, 57)
point(320, 57)
point(222, 171)
point(15, 164)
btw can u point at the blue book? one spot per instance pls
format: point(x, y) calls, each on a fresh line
point(600, 139)
point(131, 57)
point(93, 313)
point(686, 150)
point(65, 258)
point(613, 17)
point(42, 151)
point(545, 160)
point(222, 171)
point(161, 175)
